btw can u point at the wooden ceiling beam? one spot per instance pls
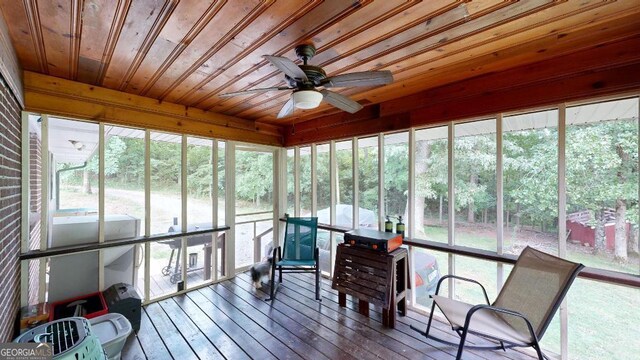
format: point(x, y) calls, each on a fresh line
point(55, 96)
point(598, 57)
point(564, 89)
point(345, 130)
point(337, 119)
point(600, 71)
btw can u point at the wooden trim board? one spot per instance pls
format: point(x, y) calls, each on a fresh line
point(60, 97)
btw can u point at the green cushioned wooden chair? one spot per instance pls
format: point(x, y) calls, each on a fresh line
point(298, 253)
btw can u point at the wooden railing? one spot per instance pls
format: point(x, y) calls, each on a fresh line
point(74, 249)
point(610, 276)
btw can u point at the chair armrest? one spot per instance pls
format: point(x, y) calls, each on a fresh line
point(499, 310)
point(463, 279)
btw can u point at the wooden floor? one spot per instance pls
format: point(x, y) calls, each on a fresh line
point(231, 320)
point(161, 285)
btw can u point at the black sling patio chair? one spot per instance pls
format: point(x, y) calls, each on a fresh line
point(298, 253)
point(522, 311)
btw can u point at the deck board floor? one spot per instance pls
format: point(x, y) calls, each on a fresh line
point(160, 285)
point(231, 320)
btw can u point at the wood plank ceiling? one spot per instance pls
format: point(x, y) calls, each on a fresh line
point(190, 51)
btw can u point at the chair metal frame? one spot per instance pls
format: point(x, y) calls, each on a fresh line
point(277, 257)
point(504, 344)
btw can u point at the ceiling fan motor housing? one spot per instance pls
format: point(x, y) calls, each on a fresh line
point(305, 52)
point(315, 74)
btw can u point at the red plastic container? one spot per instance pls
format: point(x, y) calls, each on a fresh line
point(93, 306)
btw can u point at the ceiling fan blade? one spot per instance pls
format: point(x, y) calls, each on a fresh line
point(287, 66)
point(364, 78)
point(287, 109)
point(252, 91)
point(340, 101)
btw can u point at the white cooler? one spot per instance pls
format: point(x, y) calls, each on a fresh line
point(112, 330)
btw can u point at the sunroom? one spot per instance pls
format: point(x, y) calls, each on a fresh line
point(151, 145)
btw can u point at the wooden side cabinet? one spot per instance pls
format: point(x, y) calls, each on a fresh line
point(373, 277)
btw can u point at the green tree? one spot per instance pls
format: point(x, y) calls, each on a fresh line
point(254, 176)
point(431, 177)
point(323, 180)
point(344, 163)
point(114, 149)
point(396, 174)
point(602, 173)
point(199, 170)
point(530, 175)
point(131, 162)
point(166, 162)
point(475, 163)
point(368, 177)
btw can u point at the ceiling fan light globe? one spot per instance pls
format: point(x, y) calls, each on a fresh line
point(307, 99)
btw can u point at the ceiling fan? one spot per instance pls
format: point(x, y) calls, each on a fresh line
point(305, 80)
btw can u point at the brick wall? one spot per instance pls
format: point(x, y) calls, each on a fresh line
point(10, 216)
point(35, 168)
point(35, 191)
